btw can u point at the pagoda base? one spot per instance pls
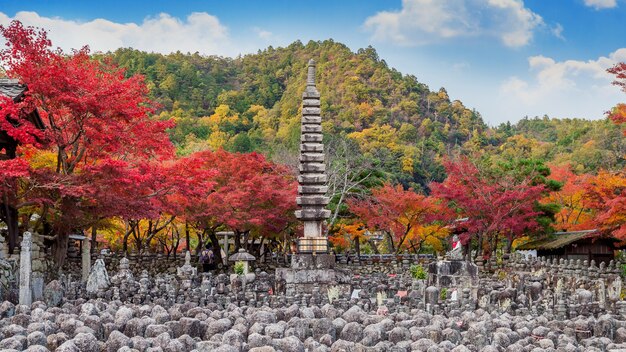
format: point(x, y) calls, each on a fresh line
point(310, 272)
point(454, 274)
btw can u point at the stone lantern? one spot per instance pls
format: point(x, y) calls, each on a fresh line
point(245, 258)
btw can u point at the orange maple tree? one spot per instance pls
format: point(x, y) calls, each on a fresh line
point(400, 214)
point(348, 233)
point(607, 196)
point(575, 206)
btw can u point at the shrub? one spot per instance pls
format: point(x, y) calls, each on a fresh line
point(443, 295)
point(239, 268)
point(418, 272)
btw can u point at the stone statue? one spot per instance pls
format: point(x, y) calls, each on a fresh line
point(456, 253)
point(98, 277)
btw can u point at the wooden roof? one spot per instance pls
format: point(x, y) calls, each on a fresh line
point(13, 89)
point(557, 240)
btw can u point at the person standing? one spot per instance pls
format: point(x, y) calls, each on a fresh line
point(207, 259)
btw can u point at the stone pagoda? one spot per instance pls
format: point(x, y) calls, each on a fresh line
point(312, 180)
point(312, 266)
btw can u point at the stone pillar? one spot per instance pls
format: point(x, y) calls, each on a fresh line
point(4, 252)
point(25, 269)
point(86, 259)
point(37, 266)
point(312, 179)
point(225, 247)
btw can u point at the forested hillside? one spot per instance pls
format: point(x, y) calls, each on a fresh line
point(253, 102)
point(401, 159)
point(399, 124)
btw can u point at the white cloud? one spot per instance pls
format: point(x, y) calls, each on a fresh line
point(427, 21)
point(460, 66)
point(601, 4)
point(570, 88)
point(164, 33)
point(263, 34)
point(557, 31)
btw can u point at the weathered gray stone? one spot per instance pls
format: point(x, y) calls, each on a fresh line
point(36, 338)
point(98, 278)
point(288, 344)
point(53, 293)
point(116, 340)
point(86, 342)
point(25, 269)
point(352, 332)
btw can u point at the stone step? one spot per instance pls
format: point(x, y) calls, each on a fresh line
point(310, 189)
point(312, 200)
point(312, 167)
point(311, 179)
point(311, 129)
point(311, 119)
point(311, 102)
point(311, 111)
point(308, 94)
point(311, 147)
point(312, 214)
point(312, 157)
point(310, 137)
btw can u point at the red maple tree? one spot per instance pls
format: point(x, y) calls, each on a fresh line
point(96, 121)
point(251, 196)
point(495, 206)
point(399, 213)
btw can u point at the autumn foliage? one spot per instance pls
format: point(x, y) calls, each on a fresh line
point(105, 163)
point(575, 207)
point(103, 155)
point(407, 218)
point(494, 206)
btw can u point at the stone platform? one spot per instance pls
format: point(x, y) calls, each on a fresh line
point(458, 274)
point(309, 271)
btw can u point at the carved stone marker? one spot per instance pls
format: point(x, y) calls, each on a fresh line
point(98, 278)
point(86, 258)
point(25, 269)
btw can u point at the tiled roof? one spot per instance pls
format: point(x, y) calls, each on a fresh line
point(557, 240)
point(11, 88)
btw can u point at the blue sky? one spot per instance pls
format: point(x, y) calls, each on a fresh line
point(505, 58)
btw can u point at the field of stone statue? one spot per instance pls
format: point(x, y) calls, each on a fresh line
point(525, 306)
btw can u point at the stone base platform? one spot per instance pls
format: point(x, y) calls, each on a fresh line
point(457, 274)
point(309, 271)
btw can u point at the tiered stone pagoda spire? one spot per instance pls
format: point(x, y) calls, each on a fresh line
point(312, 180)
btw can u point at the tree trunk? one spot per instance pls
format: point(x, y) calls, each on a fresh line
point(373, 245)
point(237, 240)
point(10, 217)
point(175, 248)
point(187, 238)
point(125, 243)
point(9, 213)
point(59, 247)
point(201, 241)
point(357, 248)
point(217, 250)
point(392, 248)
point(509, 244)
point(94, 237)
